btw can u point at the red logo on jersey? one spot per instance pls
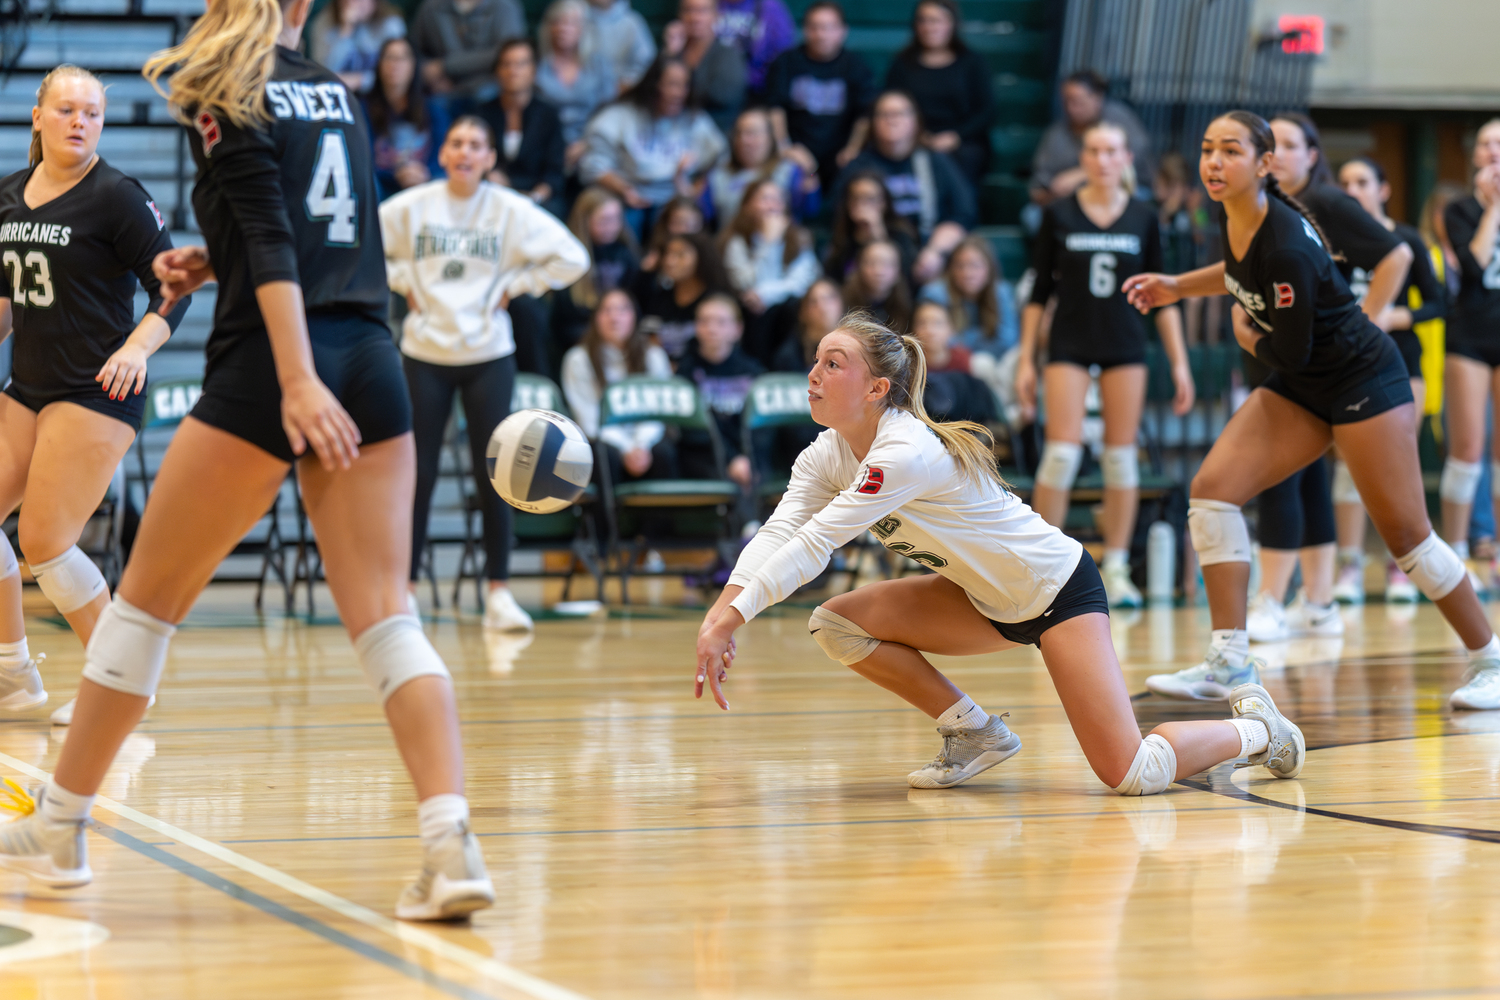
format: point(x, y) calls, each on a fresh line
point(208, 127)
point(871, 483)
point(1285, 295)
point(156, 212)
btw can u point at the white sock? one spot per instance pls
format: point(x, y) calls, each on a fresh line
point(1233, 643)
point(62, 806)
point(13, 655)
point(1351, 555)
point(1490, 650)
point(964, 714)
point(1116, 557)
point(439, 814)
point(1254, 736)
point(1460, 549)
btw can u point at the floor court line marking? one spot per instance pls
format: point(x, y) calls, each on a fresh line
point(418, 937)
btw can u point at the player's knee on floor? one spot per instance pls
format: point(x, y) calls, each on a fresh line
point(840, 638)
point(1344, 490)
point(1059, 465)
point(1218, 532)
point(1122, 468)
point(1460, 480)
point(1153, 770)
point(1434, 567)
point(394, 651)
point(128, 649)
point(70, 580)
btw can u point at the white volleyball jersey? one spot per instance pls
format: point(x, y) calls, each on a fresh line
point(916, 499)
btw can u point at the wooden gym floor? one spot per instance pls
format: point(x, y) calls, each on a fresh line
point(258, 828)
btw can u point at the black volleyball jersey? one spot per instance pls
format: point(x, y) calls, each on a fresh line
point(1292, 291)
point(1476, 312)
point(1423, 294)
point(291, 200)
point(1085, 266)
point(1354, 234)
point(71, 267)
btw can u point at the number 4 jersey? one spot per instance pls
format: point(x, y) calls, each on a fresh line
point(1085, 267)
point(290, 200)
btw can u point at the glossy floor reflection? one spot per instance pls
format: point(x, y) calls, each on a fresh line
point(648, 846)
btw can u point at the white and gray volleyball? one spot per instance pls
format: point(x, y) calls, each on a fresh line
point(539, 461)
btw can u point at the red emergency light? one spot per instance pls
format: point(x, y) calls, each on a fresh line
point(1307, 30)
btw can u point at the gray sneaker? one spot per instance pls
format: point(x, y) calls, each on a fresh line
point(965, 753)
point(1211, 680)
point(54, 854)
point(1284, 755)
point(453, 883)
point(21, 689)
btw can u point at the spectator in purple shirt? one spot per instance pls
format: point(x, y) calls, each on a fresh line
point(761, 29)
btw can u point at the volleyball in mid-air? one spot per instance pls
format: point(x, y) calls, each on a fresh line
point(539, 461)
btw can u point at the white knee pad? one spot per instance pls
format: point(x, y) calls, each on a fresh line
point(8, 565)
point(840, 638)
point(1218, 532)
point(128, 649)
point(1122, 467)
point(70, 581)
point(394, 651)
point(1152, 771)
point(1460, 481)
point(1434, 567)
point(1344, 490)
point(1059, 465)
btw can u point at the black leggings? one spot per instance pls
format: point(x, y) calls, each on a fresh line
point(486, 390)
point(1297, 513)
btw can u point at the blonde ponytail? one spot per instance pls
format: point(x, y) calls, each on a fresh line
point(224, 62)
point(65, 69)
point(900, 360)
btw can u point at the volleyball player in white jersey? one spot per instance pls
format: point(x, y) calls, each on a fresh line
point(1002, 577)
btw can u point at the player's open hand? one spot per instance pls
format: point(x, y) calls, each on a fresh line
point(716, 649)
point(124, 373)
point(181, 271)
point(312, 417)
point(1151, 291)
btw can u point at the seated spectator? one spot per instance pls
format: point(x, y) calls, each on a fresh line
point(1055, 172)
point(459, 41)
point(820, 93)
point(818, 316)
point(767, 256)
point(926, 188)
point(718, 69)
point(598, 220)
point(680, 217)
point(573, 75)
point(690, 270)
point(613, 348)
point(527, 129)
point(951, 86)
point(620, 34)
point(723, 373)
point(953, 392)
point(933, 328)
point(865, 214)
point(761, 30)
point(1185, 225)
point(877, 286)
point(347, 36)
point(980, 302)
point(651, 144)
point(752, 156)
point(405, 126)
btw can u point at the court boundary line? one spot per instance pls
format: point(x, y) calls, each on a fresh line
point(408, 934)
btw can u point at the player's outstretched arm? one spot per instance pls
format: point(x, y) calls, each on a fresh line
point(310, 414)
point(1153, 291)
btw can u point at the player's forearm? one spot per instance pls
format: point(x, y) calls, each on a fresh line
point(1386, 280)
point(1169, 325)
point(286, 325)
point(1031, 323)
point(149, 334)
point(1202, 282)
point(1482, 246)
point(726, 596)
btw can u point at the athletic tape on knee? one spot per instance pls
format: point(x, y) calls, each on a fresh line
point(1152, 771)
point(1460, 480)
point(1434, 567)
point(128, 649)
point(1059, 465)
point(1122, 467)
point(1218, 532)
point(394, 651)
point(70, 581)
point(1344, 490)
point(9, 567)
point(840, 638)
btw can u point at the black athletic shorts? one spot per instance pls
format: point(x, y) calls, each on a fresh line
point(354, 356)
point(1410, 348)
point(1367, 392)
point(1485, 350)
point(1086, 351)
point(129, 410)
point(1083, 594)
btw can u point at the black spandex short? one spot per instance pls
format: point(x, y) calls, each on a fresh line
point(1485, 350)
point(1083, 594)
point(128, 410)
point(354, 356)
point(1410, 348)
point(1370, 391)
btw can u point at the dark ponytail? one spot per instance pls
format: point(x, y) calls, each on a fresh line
point(1264, 141)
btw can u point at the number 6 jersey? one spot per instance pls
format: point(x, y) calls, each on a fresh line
point(1085, 267)
point(290, 200)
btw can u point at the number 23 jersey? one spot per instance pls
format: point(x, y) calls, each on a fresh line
point(290, 200)
point(1085, 266)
